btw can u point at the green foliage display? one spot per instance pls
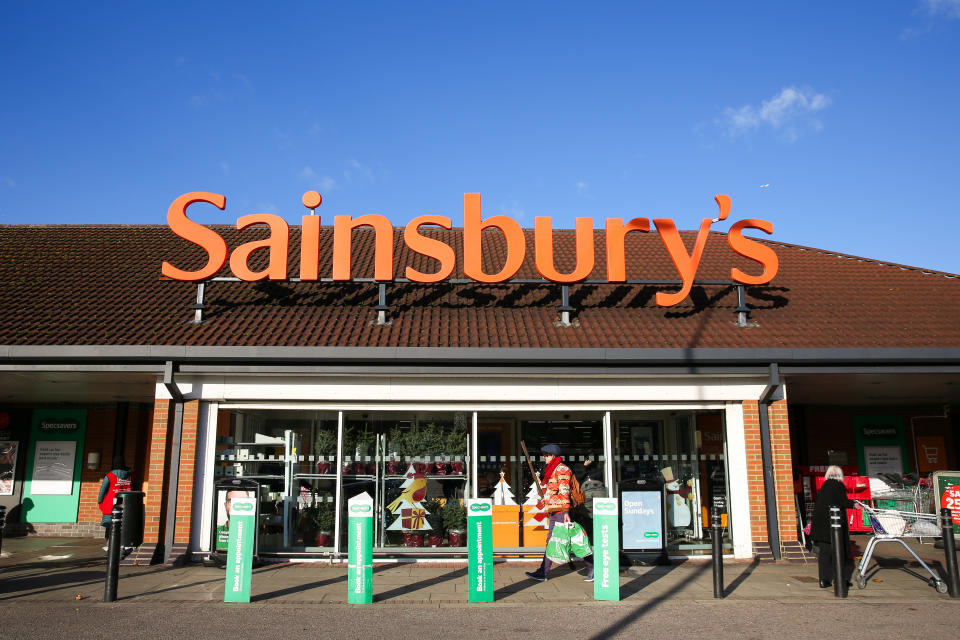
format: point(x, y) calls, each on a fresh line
point(454, 515)
point(325, 443)
point(434, 508)
point(319, 516)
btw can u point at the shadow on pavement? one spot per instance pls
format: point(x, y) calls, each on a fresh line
point(645, 608)
point(736, 582)
point(906, 566)
point(634, 586)
point(36, 584)
point(279, 593)
point(415, 586)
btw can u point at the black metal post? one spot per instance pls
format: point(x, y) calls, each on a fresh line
point(836, 539)
point(950, 553)
point(716, 532)
point(113, 555)
point(3, 521)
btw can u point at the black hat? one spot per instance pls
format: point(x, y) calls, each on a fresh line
point(551, 449)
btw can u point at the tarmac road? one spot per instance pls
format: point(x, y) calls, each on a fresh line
point(658, 619)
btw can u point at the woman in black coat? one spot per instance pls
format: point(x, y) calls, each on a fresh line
point(831, 494)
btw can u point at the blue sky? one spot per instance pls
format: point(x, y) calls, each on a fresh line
point(848, 111)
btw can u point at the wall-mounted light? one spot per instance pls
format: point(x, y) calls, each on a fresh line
point(93, 459)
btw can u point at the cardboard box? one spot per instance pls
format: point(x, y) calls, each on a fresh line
point(506, 525)
point(533, 536)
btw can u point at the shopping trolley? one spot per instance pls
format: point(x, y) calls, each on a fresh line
point(892, 525)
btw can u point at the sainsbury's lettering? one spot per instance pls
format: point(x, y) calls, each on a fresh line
point(277, 246)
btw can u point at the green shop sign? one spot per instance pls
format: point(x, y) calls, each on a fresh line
point(606, 549)
point(239, 572)
point(480, 546)
point(59, 426)
point(360, 549)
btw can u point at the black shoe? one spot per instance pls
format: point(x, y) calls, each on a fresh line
point(589, 578)
point(536, 575)
point(825, 584)
point(571, 566)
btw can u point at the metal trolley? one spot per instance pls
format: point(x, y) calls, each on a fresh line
point(893, 525)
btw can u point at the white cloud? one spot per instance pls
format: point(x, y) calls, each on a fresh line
point(7, 180)
point(245, 81)
point(199, 102)
point(948, 8)
point(786, 113)
point(225, 168)
point(358, 167)
point(582, 185)
point(513, 209)
point(325, 183)
point(267, 207)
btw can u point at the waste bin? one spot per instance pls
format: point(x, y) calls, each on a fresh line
point(223, 492)
point(643, 524)
point(131, 523)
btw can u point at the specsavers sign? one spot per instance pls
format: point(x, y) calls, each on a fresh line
point(240, 550)
point(360, 550)
point(606, 550)
point(480, 545)
point(277, 246)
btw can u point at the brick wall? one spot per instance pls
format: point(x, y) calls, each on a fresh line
point(782, 469)
point(101, 425)
point(154, 480)
point(188, 461)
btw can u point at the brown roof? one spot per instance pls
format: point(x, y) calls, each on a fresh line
point(100, 285)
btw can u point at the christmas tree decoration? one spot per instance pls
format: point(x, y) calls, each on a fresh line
point(414, 489)
point(533, 515)
point(411, 514)
point(502, 494)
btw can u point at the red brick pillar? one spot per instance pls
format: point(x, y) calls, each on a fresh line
point(188, 462)
point(782, 472)
point(154, 481)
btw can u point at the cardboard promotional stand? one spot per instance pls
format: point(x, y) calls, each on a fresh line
point(243, 529)
point(606, 549)
point(946, 487)
point(480, 544)
point(360, 553)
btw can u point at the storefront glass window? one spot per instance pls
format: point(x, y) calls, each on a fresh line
point(291, 458)
point(415, 468)
point(685, 453)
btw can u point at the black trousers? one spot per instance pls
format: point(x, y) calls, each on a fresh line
point(825, 562)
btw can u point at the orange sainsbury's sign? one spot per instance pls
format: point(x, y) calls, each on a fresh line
point(277, 244)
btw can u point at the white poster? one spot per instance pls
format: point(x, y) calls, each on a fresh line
point(883, 460)
point(53, 467)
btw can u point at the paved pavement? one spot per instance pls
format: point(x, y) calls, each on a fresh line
point(48, 570)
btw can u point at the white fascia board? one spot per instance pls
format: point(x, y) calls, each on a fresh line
point(349, 389)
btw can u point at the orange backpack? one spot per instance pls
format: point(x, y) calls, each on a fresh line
point(576, 493)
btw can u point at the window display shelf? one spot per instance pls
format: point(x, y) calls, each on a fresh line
point(430, 477)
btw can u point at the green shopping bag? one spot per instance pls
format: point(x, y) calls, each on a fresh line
point(558, 546)
point(579, 542)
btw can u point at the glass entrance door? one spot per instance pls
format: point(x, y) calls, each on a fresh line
point(684, 450)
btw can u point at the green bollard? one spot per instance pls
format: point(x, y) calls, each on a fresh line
point(606, 549)
point(480, 543)
point(360, 553)
point(243, 527)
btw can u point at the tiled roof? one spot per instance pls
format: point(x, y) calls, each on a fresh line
point(100, 285)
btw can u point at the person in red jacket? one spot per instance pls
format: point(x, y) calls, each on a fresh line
point(556, 499)
point(119, 478)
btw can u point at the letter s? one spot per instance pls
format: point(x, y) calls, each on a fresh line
point(207, 239)
point(754, 251)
